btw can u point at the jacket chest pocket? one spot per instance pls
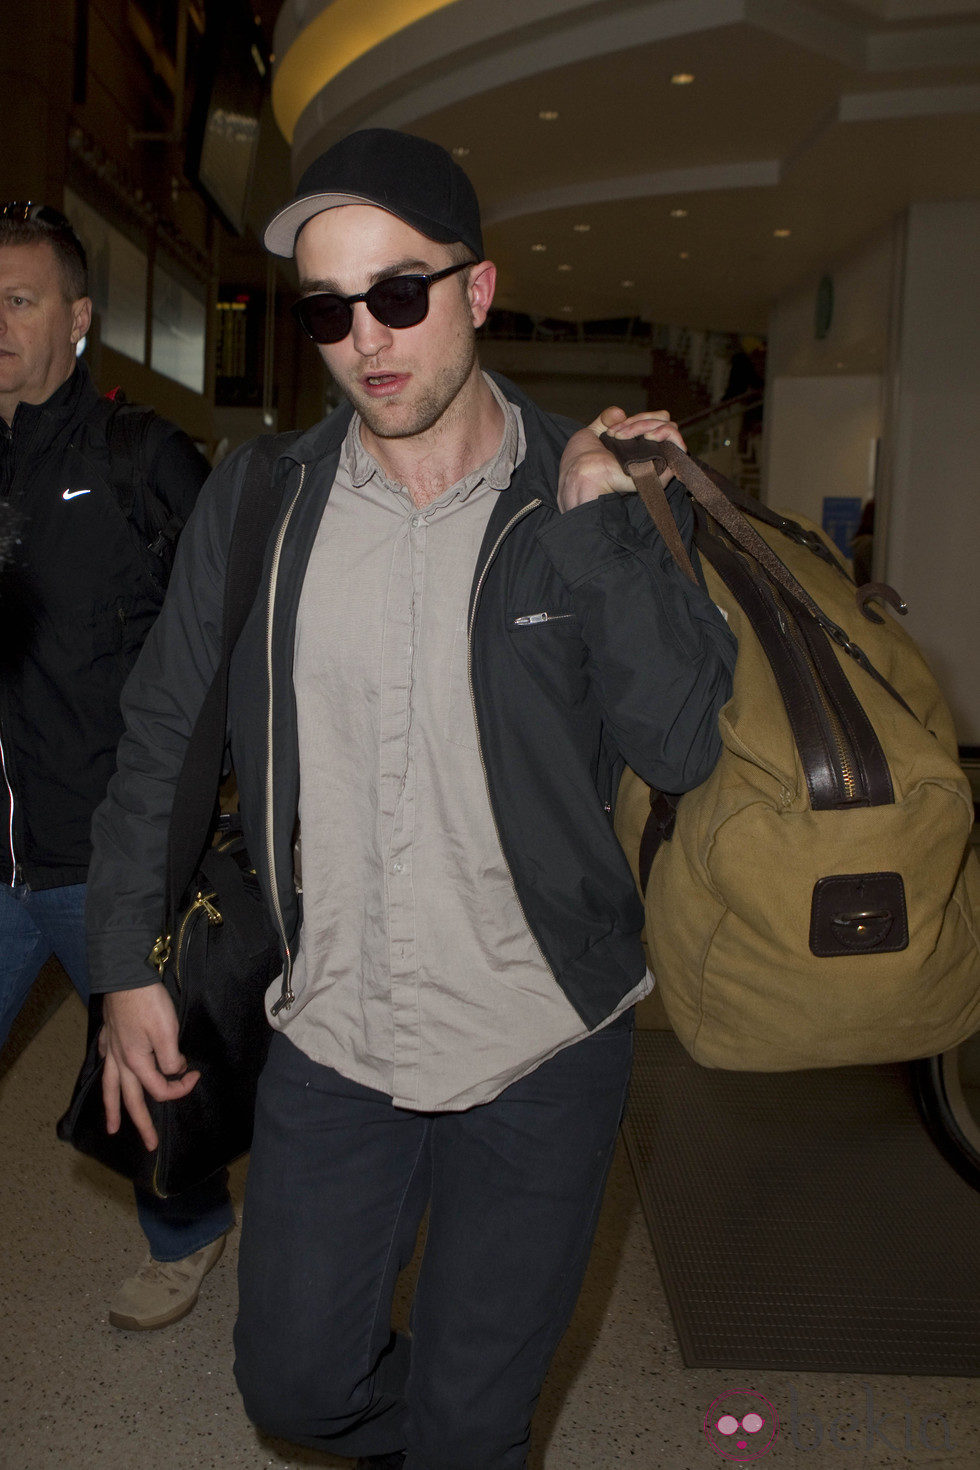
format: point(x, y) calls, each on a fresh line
point(549, 644)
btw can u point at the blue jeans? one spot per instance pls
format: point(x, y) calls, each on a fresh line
point(34, 925)
point(338, 1182)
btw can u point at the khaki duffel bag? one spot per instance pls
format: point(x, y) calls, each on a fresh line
point(817, 902)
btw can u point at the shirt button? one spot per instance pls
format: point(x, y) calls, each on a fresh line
point(417, 521)
point(397, 867)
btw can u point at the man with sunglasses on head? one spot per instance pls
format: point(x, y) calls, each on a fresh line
point(453, 651)
point(82, 589)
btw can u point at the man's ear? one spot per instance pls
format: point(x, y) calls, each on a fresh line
point(81, 318)
point(481, 286)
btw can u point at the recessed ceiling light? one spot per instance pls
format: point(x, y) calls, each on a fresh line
point(564, 267)
point(678, 214)
point(627, 284)
point(547, 116)
point(682, 78)
point(685, 255)
point(782, 234)
point(539, 247)
point(582, 229)
point(460, 152)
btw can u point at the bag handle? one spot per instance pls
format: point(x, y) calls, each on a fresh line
point(645, 459)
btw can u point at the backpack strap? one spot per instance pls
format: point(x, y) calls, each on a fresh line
point(128, 429)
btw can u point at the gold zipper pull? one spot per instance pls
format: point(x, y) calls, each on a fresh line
point(214, 917)
point(160, 954)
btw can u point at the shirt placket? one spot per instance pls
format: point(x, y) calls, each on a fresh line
point(400, 673)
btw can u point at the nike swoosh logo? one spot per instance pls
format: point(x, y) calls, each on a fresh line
point(70, 494)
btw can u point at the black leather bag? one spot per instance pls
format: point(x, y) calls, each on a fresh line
point(219, 949)
point(224, 955)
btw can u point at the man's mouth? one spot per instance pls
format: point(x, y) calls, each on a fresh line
point(383, 385)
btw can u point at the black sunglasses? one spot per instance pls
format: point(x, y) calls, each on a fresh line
point(42, 214)
point(399, 301)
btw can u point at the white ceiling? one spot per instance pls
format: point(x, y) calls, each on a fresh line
point(825, 118)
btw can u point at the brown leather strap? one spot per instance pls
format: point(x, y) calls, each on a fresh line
point(647, 482)
point(634, 453)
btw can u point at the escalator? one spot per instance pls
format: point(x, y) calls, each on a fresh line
point(947, 1094)
point(947, 1087)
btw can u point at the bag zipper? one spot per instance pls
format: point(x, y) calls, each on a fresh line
point(10, 829)
point(286, 996)
point(845, 771)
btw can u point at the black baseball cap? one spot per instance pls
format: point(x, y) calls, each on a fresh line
point(408, 176)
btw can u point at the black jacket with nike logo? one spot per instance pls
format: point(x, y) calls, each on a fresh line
point(77, 599)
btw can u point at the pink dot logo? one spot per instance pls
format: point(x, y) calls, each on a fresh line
point(741, 1425)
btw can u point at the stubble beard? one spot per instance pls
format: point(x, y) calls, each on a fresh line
point(397, 420)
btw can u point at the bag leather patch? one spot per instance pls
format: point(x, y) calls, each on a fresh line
point(858, 913)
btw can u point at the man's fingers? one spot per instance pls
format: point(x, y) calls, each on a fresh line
point(132, 1093)
point(608, 419)
point(655, 423)
point(110, 1091)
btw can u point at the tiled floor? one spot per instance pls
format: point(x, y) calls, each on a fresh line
point(75, 1393)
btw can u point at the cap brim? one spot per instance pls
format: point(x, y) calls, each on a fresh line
point(282, 229)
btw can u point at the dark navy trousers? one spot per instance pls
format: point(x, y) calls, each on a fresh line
point(339, 1180)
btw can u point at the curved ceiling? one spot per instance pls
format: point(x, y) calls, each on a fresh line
point(610, 190)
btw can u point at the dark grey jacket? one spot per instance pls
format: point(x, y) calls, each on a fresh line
point(632, 664)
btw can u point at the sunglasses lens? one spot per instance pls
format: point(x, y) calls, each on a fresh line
point(325, 318)
point(401, 301)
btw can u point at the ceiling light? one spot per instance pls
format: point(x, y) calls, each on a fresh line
point(678, 214)
point(460, 152)
point(539, 247)
point(566, 308)
point(547, 116)
point(782, 234)
point(627, 284)
point(685, 255)
point(564, 267)
point(581, 229)
point(682, 78)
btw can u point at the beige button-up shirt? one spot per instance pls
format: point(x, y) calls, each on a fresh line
point(416, 972)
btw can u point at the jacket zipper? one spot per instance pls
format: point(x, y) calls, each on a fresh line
point(531, 505)
point(10, 830)
point(286, 996)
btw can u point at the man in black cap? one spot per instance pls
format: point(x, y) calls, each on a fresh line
point(454, 651)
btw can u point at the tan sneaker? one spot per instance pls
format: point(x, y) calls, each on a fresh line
point(162, 1292)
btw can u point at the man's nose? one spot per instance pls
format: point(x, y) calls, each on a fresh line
point(368, 334)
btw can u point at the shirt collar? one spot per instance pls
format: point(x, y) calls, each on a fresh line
point(496, 472)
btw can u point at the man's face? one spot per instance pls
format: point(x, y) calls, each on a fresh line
point(39, 328)
point(403, 380)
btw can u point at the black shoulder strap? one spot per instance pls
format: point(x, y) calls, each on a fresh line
point(200, 776)
point(126, 430)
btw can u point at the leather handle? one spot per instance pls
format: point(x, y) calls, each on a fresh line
point(644, 462)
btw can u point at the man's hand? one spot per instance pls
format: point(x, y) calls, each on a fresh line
point(139, 1043)
point(588, 470)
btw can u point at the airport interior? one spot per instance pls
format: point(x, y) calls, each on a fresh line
point(763, 216)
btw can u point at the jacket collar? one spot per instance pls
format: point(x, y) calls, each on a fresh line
point(75, 394)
